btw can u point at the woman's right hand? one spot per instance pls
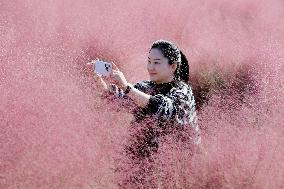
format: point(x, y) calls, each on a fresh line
point(105, 82)
point(107, 86)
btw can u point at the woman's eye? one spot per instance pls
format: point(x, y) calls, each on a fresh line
point(156, 62)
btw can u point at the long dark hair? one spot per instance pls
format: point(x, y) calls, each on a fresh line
point(174, 54)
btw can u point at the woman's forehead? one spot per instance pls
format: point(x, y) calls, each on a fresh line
point(155, 54)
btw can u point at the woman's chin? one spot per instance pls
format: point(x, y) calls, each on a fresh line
point(153, 79)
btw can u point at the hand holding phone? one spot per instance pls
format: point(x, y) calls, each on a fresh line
point(102, 68)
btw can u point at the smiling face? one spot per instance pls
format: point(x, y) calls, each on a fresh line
point(159, 69)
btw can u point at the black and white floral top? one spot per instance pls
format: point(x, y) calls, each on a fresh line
point(170, 104)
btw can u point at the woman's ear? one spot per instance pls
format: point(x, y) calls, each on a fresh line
point(174, 67)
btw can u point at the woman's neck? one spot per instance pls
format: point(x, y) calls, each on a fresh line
point(171, 79)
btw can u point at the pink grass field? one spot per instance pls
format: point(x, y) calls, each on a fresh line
point(57, 132)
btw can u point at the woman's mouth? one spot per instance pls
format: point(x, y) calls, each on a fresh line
point(152, 74)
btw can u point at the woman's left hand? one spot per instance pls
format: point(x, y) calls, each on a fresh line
point(118, 76)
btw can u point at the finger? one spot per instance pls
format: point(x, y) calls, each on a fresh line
point(115, 67)
point(106, 77)
point(96, 76)
point(115, 76)
point(115, 73)
point(100, 76)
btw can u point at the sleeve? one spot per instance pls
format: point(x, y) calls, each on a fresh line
point(179, 104)
point(117, 97)
point(119, 93)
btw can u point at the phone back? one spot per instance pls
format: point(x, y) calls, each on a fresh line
point(103, 68)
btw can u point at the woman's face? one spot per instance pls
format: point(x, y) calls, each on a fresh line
point(159, 69)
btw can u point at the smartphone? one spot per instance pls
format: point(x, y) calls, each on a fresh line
point(102, 68)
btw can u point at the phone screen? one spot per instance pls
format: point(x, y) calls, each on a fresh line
point(103, 68)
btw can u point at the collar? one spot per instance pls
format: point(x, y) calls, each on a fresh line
point(163, 87)
point(171, 83)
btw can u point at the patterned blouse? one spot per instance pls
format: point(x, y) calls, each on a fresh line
point(170, 103)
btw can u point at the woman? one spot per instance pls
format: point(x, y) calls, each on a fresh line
point(164, 105)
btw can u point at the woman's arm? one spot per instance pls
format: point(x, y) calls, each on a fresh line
point(141, 99)
point(179, 104)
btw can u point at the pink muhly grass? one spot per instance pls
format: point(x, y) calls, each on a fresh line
point(57, 132)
